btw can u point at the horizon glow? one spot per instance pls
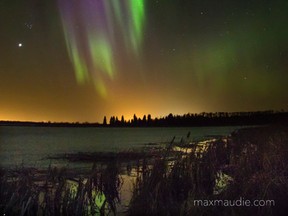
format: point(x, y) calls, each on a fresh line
point(83, 60)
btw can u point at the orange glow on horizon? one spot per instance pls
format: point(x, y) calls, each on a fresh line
point(127, 105)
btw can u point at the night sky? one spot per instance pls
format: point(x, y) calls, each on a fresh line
point(70, 60)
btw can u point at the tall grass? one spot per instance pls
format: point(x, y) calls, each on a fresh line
point(251, 163)
point(58, 192)
point(255, 159)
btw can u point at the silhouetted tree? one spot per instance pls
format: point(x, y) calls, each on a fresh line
point(149, 120)
point(112, 121)
point(117, 122)
point(122, 120)
point(105, 121)
point(135, 120)
point(144, 121)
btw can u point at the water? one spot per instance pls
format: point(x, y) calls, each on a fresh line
point(32, 145)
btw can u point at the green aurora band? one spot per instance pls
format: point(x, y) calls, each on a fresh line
point(94, 30)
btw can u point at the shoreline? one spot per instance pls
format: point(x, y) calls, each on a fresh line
point(238, 158)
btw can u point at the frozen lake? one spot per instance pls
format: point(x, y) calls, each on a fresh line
point(31, 145)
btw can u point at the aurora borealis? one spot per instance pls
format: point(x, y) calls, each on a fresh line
point(64, 60)
point(91, 29)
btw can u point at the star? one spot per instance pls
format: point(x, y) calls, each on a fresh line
point(20, 44)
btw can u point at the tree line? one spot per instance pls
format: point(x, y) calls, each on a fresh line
point(201, 119)
point(186, 120)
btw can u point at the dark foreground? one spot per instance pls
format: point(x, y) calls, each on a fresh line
point(243, 174)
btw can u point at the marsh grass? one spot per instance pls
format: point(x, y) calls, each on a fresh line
point(163, 189)
point(254, 159)
point(58, 192)
point(251, 163)
point(61, 191)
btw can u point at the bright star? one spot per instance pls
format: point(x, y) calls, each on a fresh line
point(20, 45)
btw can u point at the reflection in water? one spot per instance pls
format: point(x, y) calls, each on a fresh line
point(109, 186)
point(121, 180)
point(98, 201)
